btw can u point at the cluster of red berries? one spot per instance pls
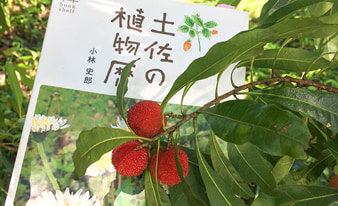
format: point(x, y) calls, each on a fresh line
point(145, 119)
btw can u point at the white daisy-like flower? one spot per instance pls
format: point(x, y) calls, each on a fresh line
point(121, 124)
point(101, 166)
point(66, 199)
point(42, 123)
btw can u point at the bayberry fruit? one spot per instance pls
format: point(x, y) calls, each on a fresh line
point(334, 182)
point(145, 118)
point(186, 45)
point(166, 167)
point(128, 161)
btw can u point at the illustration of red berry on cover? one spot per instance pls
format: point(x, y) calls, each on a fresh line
point(195, 27)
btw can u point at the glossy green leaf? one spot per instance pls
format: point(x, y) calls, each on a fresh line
point(220, 56)
point(92, 144)
point(332, 146)
point(320, 8)
point(278, 10)
point(309, 174)
point(187, 191)
point(321, 106)
point(195, 183)
point(282, 168)
point(218, 191)
point(252, 166)
point(226, 170)
point(154, 193)
point(122, 88)
point(288, 59)
point(303, 195)
point(271, 129)
point(306, 27)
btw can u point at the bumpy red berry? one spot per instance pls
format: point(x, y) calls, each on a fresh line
point(128, 161)
point(334, 182)
point(145, 118)
point(166, 167)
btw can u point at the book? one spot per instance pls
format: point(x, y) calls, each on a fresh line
point(86, 46)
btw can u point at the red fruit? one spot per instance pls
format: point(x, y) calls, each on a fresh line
point(186, 45)
point(145, 118)
point(334, 182)
point(128, 161)
point(214, 32)
point(166, 166)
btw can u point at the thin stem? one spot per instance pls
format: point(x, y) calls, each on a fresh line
point(47, 167)
point(240, 88)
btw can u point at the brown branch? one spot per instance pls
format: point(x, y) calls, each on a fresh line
point(8, 147)
point(240, 88)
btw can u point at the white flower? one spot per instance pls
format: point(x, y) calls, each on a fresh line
point(121, 124)
point(66, 199)
point(101, 166)
point(41, 123)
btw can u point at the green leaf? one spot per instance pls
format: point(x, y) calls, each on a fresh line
point(282, 168)
point(252, 166)
point(183, 29)
point(278, 10)
point(226, 170)
point(190, 196)
point(309, 174)
point(299, 195)
point(192, 33)
point(92, 144)
point(320, 8)
point(228, 2)
point(313, 27)
point(218, 192)
point(154, 192)
point(5, 21)
point(195, 182)
point(210, 24)
point(206, 33)
point(15, 86)
point(197, 20)
point(321, 106)
point(264, 199)
point(273, 130)
point(332, 146)
point(220, 56)
point(122, 88)
point(289, 59)
point(189, 21)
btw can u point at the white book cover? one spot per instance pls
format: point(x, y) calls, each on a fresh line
point(87, 44)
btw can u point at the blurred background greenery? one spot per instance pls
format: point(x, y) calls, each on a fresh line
point(22, 27)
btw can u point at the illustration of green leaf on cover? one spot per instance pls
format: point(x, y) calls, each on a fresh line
point(195, 27)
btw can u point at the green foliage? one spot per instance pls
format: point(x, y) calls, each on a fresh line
point(278, 146)
point(281, 123)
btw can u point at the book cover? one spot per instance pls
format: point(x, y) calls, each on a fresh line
point(87, 44)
